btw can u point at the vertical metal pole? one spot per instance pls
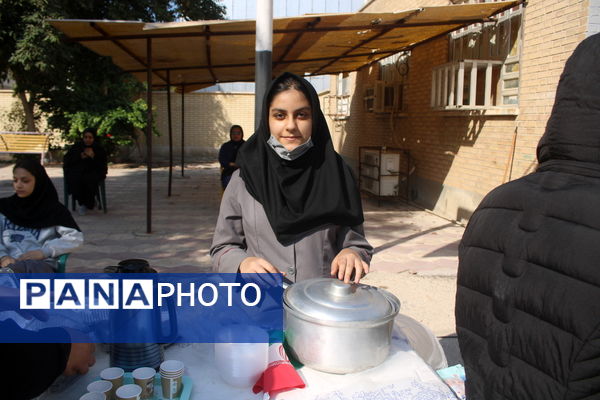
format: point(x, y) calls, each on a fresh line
point(170, 131)
point(182, 128)
point(264, 49)
point(149, 136)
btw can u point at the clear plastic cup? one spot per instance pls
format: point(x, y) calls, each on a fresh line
point(241, 364)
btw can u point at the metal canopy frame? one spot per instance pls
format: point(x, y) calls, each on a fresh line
point(317, 44)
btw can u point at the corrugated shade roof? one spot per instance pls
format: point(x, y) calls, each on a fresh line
point(201, 53)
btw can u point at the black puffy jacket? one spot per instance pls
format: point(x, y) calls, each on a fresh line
point(528, 298)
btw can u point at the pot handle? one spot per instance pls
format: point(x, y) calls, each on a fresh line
point(286, 283)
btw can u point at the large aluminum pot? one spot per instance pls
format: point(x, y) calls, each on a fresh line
point(336, 327)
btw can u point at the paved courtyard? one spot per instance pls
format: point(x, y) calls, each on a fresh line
point(415, 251)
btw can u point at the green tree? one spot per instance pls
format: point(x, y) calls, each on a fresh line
point(69, 83)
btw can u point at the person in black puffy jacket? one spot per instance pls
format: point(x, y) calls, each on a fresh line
point(528, 297)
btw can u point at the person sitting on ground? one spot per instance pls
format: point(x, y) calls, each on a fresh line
point(294, 205)
point(228, 154)
point(85, 166)
point(35, 228)
point(528, 298)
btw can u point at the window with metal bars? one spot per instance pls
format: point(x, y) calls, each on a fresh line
point(484, 64)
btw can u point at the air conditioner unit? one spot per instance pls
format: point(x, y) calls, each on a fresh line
point(373, 166)
point(384, 97)
point(379, 92)
point(390, 163)
point(370, 157)
point(370, 185)
point(388, 186)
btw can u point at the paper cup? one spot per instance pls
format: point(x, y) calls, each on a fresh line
point(144, 378)
point(93, 396)
point(129, 392)
point(104, 387)
point(171, 378)
point(171, 387)
point(115, 376)
point(171, 367)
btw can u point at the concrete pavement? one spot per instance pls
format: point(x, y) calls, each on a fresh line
point(405, 238)
point(415, 251)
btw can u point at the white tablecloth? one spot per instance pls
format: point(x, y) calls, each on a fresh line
point(403, 376)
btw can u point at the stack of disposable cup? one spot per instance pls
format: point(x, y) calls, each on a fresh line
point(171, 374)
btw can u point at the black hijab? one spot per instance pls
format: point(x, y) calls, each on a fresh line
point(571, 142)
point(303, 195)
point(74, 162)
point(41, 209)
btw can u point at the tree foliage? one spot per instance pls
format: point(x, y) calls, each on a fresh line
point(68, 82)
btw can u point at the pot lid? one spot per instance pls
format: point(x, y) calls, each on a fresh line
point(329, 299)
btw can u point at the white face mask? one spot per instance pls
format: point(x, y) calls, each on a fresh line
point(289, 155)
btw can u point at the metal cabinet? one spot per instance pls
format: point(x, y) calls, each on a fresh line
point(384, 171)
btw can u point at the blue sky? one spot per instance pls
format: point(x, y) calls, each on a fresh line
point(246, 9)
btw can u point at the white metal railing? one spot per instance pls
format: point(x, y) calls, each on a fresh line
point(467, 84)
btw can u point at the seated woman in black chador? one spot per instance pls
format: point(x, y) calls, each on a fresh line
point(35, 228)
point(228, 154)
point(85, 166)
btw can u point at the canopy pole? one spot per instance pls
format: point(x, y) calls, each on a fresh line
point(170, 131)
point(149, 136)
point(264, 49)
point(182, 128)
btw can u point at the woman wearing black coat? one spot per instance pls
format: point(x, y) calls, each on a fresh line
point(528, 300)
point(228, 154)
point(85, 165)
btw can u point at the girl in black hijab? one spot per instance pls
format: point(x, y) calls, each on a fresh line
point(228, 154)
point(85, 165)
point(35, 228)
point(294, 206)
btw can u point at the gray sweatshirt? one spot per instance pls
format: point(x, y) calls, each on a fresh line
point(243, 230)
point(52, 241)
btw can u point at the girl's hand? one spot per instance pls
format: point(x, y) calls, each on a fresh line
point(81, 358)
point(346, 263)
point(32, 255)
point(253, 265)
point(6, 261)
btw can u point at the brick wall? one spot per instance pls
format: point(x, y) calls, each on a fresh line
point(6, 102)
point(552, 30)
point(460, 157)
point(208, 117)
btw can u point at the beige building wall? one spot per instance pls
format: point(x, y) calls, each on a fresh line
point(6, 103)
point(208, 117)
point(552, 30)
point(460, 157)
